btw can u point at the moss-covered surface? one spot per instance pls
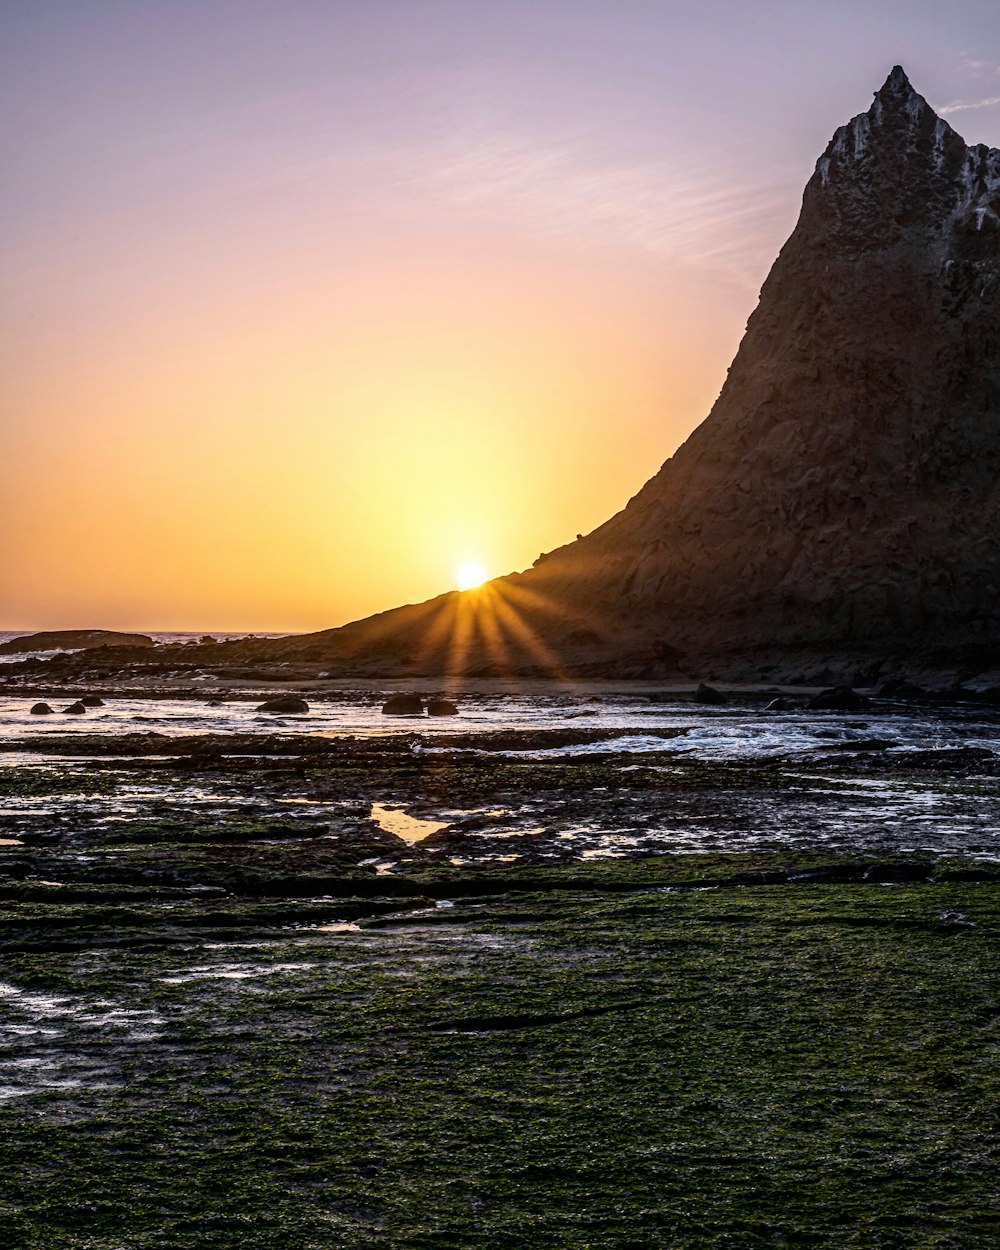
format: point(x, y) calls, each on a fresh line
point(229, 1020)
point(800, 1065)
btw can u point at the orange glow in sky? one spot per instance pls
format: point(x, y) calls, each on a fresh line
point(307, 305)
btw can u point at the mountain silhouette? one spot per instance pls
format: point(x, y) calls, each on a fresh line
point(843, 496)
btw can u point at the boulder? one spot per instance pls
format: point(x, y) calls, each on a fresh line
point(709, 694)
point(41, 709)
point(403, 705)
point(91, 700)
point(288, 704)
point(839, 699)
point(441, 707)
point(781, 704)
point(75, 708)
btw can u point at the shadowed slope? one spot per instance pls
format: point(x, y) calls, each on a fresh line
point(841, 496)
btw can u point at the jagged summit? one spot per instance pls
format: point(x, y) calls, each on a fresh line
point(902, 146)
point(897, 83)
point(843, 496)
point(897, 91)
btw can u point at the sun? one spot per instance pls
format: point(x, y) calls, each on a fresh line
point(470, 575)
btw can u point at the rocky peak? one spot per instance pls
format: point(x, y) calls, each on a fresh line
point(844, 486)
point(900, 167)
point(843, 496)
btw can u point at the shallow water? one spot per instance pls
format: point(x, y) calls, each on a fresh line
point(737, 731)
point(408, 828)
point(840, 787)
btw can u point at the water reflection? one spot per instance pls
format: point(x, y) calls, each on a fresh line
point(409, 828)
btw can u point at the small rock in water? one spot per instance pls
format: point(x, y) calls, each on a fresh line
point(709, 694)
point(839, 699)
point(75, 708)
point(441, 707)
point(403, 705)
point(41, 709)
point(780, 705)
point(289, 704)
point(91, 700)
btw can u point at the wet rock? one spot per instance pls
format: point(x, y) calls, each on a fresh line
point(954, 920)
point(891, 874)
point(863, 744)
point(835, 874)
point(709, 695)
point(947, 759)
point(75, 708)
point(441, 707)
point(91, 700)
point(41, 709)
point(781, 705)
point(839, 699)
point(73, 639)
point(776, 877)
point(897, 688)
point(290, 705)
point(403, 705)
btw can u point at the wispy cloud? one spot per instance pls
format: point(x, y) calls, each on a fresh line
point(965, 106)
point(979, 66)
point(704, 212)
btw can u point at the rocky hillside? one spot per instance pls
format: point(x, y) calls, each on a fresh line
point(841, 500)
point(845, 487)
point(843, 493)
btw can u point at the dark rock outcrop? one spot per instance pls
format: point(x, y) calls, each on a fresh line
point(709, 695)
point(403, 705)
point(75, 709)
point(73, 640)
point(841, 503)
point(91, 700)
point(839, 699)
point(845, 490)
point(290, 705)
point(41, 709)
point(441, 707)
point(843, 497)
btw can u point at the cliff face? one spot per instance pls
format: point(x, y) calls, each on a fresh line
point(844, 492)
point(846, 486)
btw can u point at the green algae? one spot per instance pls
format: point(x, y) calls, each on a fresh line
point(224, 1029)
point(807, 1064)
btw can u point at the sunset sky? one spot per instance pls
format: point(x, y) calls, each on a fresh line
point(306, 305)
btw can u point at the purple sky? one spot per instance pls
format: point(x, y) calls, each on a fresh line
point(211, 205)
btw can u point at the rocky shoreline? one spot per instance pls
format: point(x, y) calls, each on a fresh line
point(536, 1010)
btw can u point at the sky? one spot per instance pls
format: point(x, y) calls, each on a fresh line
point(304, 305)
